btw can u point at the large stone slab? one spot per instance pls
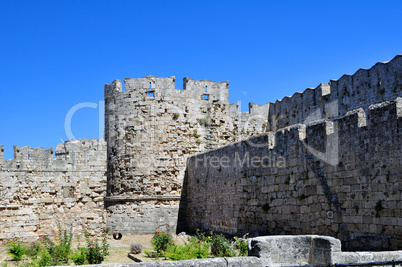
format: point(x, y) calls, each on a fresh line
point(294, 250)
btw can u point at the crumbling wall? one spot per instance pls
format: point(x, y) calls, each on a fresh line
point(150, 129)
point(340, 178)
point(39, 193)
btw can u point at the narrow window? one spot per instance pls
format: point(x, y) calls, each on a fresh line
point(28, 156)
point(150, 94)
point(205, 97)
point(206, 89)
point(150, 85)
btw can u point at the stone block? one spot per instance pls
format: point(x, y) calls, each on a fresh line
point(294, 250)
point(47, 200)
point(245, 262)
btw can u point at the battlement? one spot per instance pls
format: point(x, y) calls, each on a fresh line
point(325, 176)
point(69, 154)
point(204, 85)
point(323, 161)
point(150, 83)
point(157, 88)
point(315, 134)
point(34, 154)
point(382, 82)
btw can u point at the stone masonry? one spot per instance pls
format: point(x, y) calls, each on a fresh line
point(151, 129)
point(272, 184)
point(38, 193)
point(335, 172)
point(333, 155)
point(331, 100)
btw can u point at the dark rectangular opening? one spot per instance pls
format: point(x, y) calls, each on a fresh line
point(150, 94)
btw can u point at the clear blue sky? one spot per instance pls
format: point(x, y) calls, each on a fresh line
point(55, 54)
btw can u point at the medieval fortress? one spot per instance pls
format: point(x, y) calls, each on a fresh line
point(326, 161)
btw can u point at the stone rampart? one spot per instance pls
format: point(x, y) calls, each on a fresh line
point(38, 193)
point(340, 178)
point(382, 82)
point(330, 163)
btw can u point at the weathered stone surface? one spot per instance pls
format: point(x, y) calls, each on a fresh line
point(294, 250)
point(329, 100)
point(151, 129)
point(38, 193)
point(364, 257)
point(287, 182)
point(284, 181)
point(212, 262)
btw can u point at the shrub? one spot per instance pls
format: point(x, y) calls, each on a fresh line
point(205, 121)
point(46, 252)
point(220, 246)
point(192, 250)
point(63, 248)
point(95, 253)
point(242, 246)
point(79, 256)
point(45, 259)
point(56, 253)
point(152, 254)
point(16, 250)
point(203, 237)
point(33, 250)
point(162, 240)
point(195, 134)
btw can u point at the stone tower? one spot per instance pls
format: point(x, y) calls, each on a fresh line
point(150, 129)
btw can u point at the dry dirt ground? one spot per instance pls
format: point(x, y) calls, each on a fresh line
point(118, 249)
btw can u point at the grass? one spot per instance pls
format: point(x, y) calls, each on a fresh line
point(118, 250)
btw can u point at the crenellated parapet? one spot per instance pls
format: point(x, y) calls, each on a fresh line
point(28, 158)
point(151, 129)
point(150, 83)
point(158, 88)
point(323, 161)
point(70, 154)
point(382, 82)
point(38, 192)
point(206, 89)
point(338, 177)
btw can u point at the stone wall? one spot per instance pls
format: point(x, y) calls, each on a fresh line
point(38, 192)
point(339, 163)
point(382, 82)
point(340, 178)
point(151, 128)
point(312, 250)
